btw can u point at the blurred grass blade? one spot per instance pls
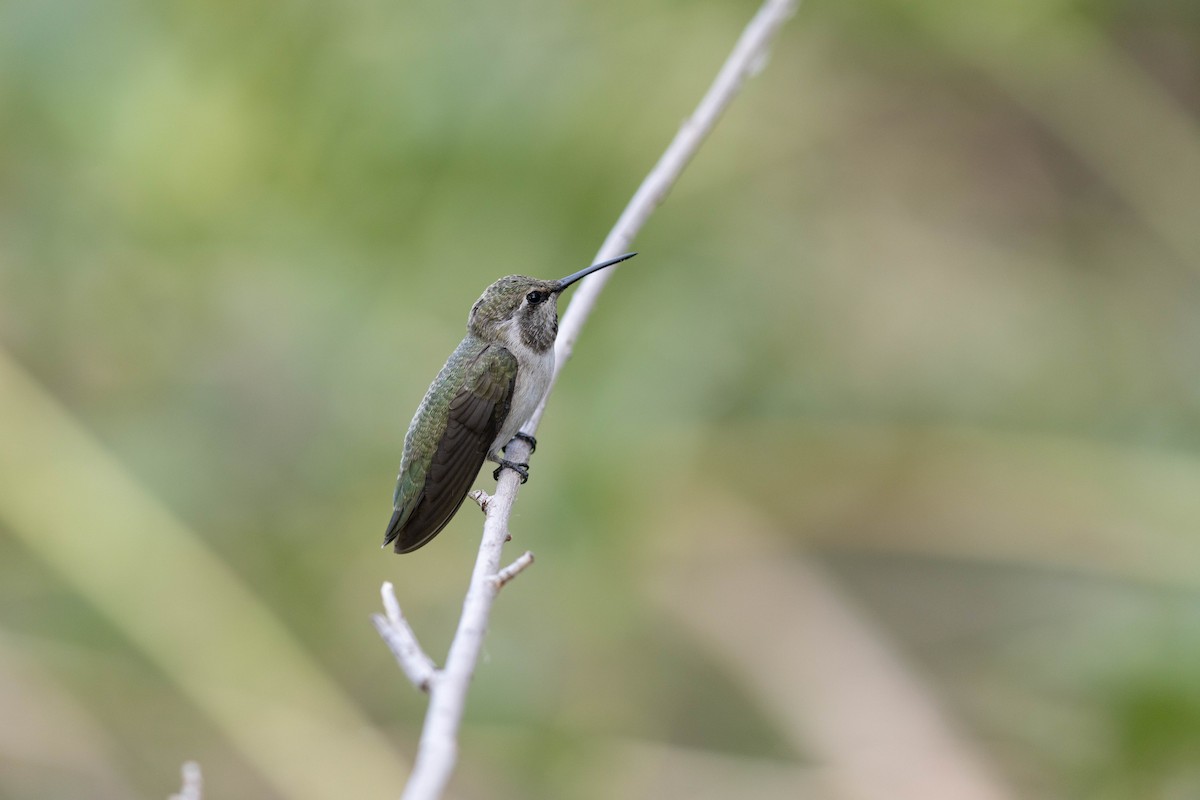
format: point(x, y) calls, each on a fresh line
point(76, 507)
point(828, 676)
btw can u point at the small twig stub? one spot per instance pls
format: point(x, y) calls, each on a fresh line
point(481, 498)
point(512, 570)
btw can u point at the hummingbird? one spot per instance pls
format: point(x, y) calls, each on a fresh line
point(490, 386)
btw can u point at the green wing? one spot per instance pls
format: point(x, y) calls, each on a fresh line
point(427, 497)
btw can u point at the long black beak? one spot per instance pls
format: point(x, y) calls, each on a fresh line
point(583, 273)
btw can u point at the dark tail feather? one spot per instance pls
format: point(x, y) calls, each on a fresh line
point(393, 528)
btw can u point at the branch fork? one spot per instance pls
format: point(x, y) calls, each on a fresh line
point(416, 665)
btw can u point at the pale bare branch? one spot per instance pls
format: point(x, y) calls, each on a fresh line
point(747, 59)
point(438, 749)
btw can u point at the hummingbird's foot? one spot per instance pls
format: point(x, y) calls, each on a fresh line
point(525, 437)
point(520, 469)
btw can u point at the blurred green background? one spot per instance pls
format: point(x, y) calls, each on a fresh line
point(883, 452)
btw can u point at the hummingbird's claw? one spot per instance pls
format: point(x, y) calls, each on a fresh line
point(525, 437)
point(520, 469)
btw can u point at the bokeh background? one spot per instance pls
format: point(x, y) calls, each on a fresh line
point(875, 475)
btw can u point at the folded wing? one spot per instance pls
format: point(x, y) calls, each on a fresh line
point(476, 413)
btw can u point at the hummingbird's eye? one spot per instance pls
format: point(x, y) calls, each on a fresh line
point(535, 297)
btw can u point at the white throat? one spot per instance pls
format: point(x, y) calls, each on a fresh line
point(534, 370)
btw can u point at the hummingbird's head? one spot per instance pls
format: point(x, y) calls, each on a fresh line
point(519, 310)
